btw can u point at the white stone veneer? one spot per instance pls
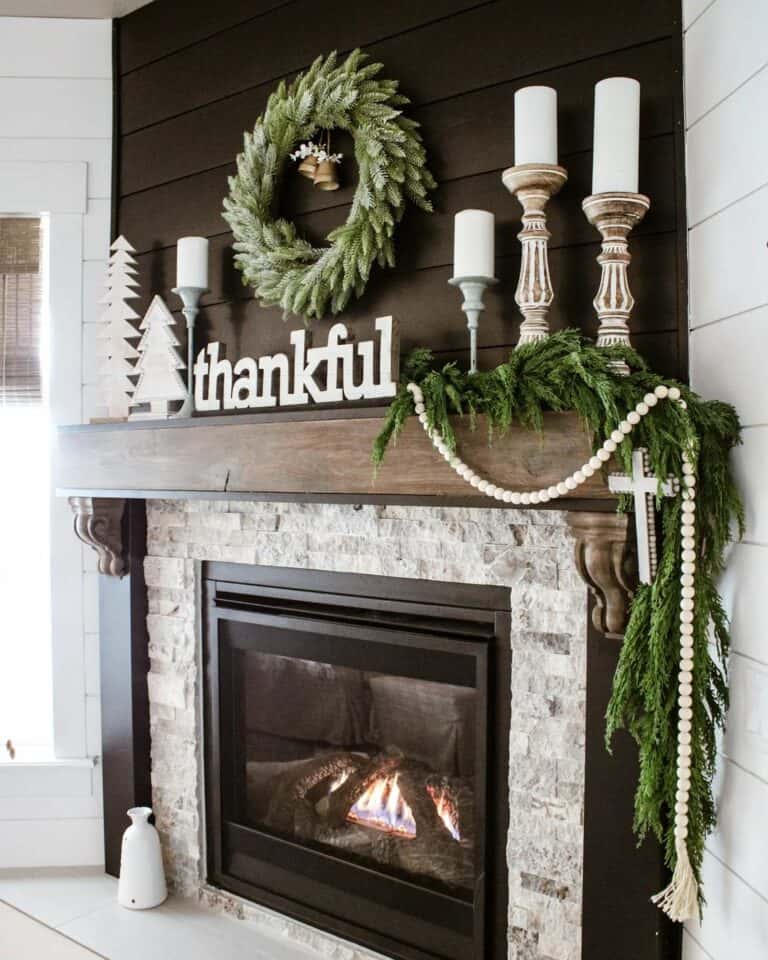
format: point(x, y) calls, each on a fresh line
point(528, 551)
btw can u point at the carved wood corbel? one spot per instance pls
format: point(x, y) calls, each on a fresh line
point(98, 523)
point(605, 559)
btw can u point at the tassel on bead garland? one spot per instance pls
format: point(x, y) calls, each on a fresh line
point(680, 900)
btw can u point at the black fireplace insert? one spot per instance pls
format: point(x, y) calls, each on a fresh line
point(356, 754)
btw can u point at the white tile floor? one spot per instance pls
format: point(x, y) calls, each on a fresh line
point(82, 904)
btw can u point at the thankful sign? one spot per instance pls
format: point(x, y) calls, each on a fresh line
point(338, 371)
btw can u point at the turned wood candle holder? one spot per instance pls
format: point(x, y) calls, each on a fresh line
point(533, 184)
point(615, 215)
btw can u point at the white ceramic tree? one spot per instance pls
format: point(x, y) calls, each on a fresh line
point(158, 364)
point(113, 349)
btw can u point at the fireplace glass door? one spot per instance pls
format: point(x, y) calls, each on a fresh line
point(347, 768)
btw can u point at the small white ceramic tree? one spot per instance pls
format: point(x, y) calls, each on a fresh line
point(158, 364)
point(112, 348)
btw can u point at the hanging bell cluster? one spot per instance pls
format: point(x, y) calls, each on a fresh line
point(318, 164)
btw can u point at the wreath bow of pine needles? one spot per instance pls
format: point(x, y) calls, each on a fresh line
point(285, 269)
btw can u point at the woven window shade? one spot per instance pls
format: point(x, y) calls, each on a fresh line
point(20, 309)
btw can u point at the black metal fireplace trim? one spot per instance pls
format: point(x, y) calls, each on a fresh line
point(292, 599)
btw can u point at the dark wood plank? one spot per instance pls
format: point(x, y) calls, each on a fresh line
point(159, 29)
point(235, 60)
point(612, 859)
point(467, 134)
point(424, 240)
point(154, 219)
point(428, 309)
point(124, 664)
point(260, 457)
point(511, 46)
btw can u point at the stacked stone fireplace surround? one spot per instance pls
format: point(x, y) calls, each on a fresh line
point(529, 552)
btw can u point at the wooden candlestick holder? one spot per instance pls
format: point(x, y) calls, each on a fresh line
point(615, 215)
point(533, 184)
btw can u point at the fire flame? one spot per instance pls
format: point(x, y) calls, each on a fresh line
point(383, 806)
point(446, 809)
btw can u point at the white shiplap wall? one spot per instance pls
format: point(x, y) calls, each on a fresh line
point(56, 106)
point(726, 98)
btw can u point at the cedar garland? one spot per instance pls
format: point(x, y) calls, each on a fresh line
point(565, 372)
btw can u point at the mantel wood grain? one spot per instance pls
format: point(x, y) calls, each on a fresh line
point(310, 454)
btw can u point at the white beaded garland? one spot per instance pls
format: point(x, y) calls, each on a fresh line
point(687, 556)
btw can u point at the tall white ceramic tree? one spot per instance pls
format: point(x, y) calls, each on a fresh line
point(113, 350)
point(159, 363)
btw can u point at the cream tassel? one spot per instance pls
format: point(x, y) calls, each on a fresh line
point(680, 900)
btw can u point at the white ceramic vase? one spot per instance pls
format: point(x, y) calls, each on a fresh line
point(142, 878)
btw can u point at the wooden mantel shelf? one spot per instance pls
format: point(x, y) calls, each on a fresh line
point(325, 456)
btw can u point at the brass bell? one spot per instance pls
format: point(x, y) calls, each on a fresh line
point(308, 166)
point(325, 176)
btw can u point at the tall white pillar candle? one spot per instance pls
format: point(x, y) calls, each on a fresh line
point(192, 262)
point(617, 135)
point(473, 239)
point(535, 125)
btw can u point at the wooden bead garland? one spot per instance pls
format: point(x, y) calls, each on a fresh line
point(680, 899)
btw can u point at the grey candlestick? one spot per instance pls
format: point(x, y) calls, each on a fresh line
point(190, 297)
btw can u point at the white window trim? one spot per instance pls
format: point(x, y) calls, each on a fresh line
point(58, 190)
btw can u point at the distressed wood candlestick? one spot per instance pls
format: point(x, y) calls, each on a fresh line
point(615, 215)
point(533, 184)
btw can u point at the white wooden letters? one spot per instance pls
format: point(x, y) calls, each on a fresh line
point(333, 373)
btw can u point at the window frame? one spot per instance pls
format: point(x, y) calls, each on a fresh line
point(58, 191)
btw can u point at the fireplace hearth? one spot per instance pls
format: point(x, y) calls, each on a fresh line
point(357, 754)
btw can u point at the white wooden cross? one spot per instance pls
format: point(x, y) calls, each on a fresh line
point(645, 488)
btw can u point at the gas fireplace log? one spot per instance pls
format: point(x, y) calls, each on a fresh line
point(289, 793)
point(342, 800)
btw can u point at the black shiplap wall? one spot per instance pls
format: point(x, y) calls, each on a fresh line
point(192, 76)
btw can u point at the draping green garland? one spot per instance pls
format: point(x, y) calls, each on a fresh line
point(565, 372)
point(285, 269)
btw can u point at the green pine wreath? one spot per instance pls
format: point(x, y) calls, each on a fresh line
point(285, 269)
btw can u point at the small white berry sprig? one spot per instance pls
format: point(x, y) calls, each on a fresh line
point(680, 899)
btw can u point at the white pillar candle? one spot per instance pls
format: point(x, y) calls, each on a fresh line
point(473, 240)
point(192, 262)
point(535, 125)
point(617, 135)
